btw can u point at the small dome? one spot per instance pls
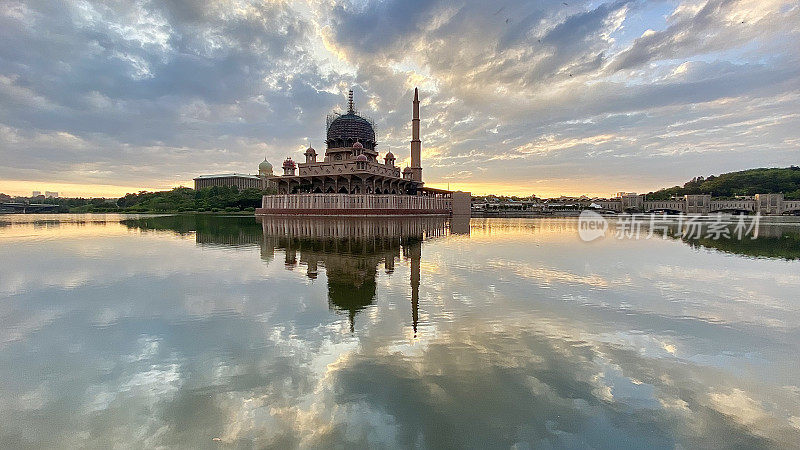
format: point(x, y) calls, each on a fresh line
point(311, 151)
point(288, 163)
point(389, 155)
point(361, 157)
point(358, 145)
point(407, 170)
point(265, 166)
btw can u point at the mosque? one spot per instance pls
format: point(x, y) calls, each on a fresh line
point(352, 179)
point(351, 164)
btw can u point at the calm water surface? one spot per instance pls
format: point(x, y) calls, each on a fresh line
point(206, 332)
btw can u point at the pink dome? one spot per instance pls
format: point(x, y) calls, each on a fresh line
point(389, 155)
point(311, 151)
point(288, 163)
point(358, 145)
point(361, 157)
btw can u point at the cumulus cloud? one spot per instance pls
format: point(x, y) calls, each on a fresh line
point(159, 92)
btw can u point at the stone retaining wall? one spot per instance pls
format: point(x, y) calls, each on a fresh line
point(354, 205)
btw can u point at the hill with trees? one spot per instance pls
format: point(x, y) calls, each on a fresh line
point(745, 182)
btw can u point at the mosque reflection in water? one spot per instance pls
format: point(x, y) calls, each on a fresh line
point(351, 251)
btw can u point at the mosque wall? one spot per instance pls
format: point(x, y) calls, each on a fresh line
point(353, 204)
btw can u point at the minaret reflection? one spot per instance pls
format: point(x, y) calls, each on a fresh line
point(350, 251)
point(413, 251)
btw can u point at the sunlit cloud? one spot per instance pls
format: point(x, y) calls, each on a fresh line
point(587, 97)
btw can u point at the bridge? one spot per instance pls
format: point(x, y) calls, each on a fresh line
point(765, 204)
point(27, 208)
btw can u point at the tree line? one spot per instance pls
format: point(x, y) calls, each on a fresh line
point(181, 199)
point(742, 183)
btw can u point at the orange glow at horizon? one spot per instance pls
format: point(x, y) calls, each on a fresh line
point(24, 188)
point(542, 189)
point(558, 188)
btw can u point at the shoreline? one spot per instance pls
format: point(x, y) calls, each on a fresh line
point(577, 213)
point(208, 213)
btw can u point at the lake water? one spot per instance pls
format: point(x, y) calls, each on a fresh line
point(206, 332)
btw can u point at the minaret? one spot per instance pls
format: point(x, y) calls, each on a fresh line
point(416, 144)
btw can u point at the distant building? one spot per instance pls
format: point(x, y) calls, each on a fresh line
point(242, 181)
point(36, 193)
point(239, 180)
point(51, 194)
point(771, 204)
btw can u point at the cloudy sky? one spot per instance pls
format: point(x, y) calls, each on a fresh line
point(544, 97)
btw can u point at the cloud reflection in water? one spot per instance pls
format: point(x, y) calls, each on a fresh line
point(389, 333)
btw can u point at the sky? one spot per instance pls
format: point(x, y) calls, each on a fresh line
point(518, 97)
